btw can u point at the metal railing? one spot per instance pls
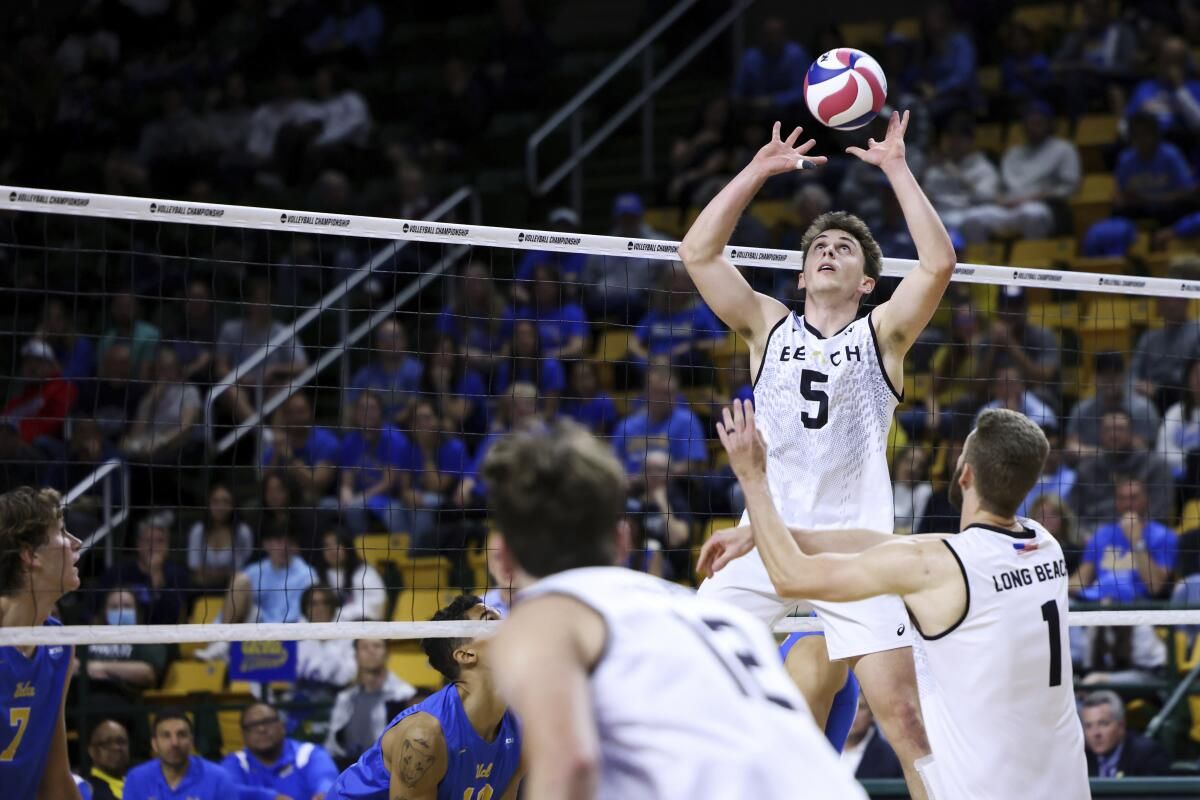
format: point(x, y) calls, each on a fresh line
point(652, 82)
point(114, 473)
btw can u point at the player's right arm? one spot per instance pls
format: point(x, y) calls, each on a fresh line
point(732, 543)
point(416, 757)
point(747, 313)
point(543, 654)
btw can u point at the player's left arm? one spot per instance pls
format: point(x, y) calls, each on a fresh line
point(57, 783)
point(900, 321)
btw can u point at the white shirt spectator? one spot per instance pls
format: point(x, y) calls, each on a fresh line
point(345, 118)
point(233, 557)
point(365, 593)
point(329, 661)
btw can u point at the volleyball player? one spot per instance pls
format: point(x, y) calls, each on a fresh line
point(462, 742)
point(629, 687)
point(825, 389)
point(37, 567)
point(989, 605)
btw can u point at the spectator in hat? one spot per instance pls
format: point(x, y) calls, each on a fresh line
point(616, 287)
point(42, 403)
point(1161, 354)
point(770, 79)
point(570, 265)
point(1153, 177)
point(1037, 177)
point(1113, 391)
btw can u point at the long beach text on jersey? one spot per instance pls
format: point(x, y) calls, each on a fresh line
point(825, 405)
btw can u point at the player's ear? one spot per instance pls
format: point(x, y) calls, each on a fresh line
point(466, 654)
point(800, 279)
point(868, 285)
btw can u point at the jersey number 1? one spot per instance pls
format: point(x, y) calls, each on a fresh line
point(1051, 616)
point(814, 395)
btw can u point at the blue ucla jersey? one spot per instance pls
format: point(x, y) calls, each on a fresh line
point(475, 769)
point(32, 691)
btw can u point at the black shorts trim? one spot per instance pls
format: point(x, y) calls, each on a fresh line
point(879, 357)
point(766, 348)
point(966, 607)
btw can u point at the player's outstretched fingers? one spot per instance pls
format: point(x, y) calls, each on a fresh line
point(794, 136)
point(704, 562)
point(775, 131)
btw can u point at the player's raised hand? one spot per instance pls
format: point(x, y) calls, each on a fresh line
point(722, 547)
point(745, 445)
point(782, 155)
point(891, 149)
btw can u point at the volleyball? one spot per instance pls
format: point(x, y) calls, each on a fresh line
point(845, 88)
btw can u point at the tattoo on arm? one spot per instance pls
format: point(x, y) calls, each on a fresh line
point(416, 757)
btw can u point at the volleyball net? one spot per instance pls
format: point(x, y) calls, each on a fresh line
point(267, 424)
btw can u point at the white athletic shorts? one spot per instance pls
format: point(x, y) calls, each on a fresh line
point(851, 629)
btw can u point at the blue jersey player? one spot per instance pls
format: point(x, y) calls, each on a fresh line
point(460, 744)
point(37, 567)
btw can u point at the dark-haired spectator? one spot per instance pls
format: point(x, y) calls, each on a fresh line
point(1172, 95)
point(360, 712)
point(519, 409)
point(458, 392)
point(282, 504)
point(163, 425)
point(371, 460)
point(108, 751)
point(679, 326)
point(269, 590)
point(1051, 511)
point(701, 157)
point(1010, 391)
point(272, 766)
point(308, 452)
point(1131, 557)
point(1161, 355)
point(127, 327)
point(770, 77)
point(41, 405)
point(961, 177)
point(585, 402)
point(1153, 176)
point(1093, 498)
point(1037, 178)
point(394, 373)
point(662, 422)
point(351, 27)
point(158, 583)
point(518, 57)
point(112, 397)
point(562, 326)
point(1114, 391)
point(1024, 71)
point(117, 673)
point(1112, 750)
point(866, 753)
point(527, 363)
point(946, 77)
point(1094, 56)
point(357, 584)
point(473, 316)
point(1178, 440)
point(323, 664)
point(438, 461)
point(74, 352)
point(194, 335)
point(174, 767)
point(569, 266)
point(615, 286)
point(239, 339)
point(663, 513)
point(220, 544)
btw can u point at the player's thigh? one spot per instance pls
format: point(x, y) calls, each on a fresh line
point(889, 682)
point(817, 678)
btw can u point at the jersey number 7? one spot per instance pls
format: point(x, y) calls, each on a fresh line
point(19, 719)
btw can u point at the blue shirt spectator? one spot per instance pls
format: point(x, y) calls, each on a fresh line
point(202, 780)
point(519, 410)
point(362, 31)
point(1112, 558)
point(667, 333)
point(660, 424)
point(394, 374)
point(562, 326)
point(271, 765)
point(367, 454)
point(547, 374)
point(1008, 391)
point(1151, 172)
point(586, 403)
point(276, 583)
point(1057, 481)
point(472, 318)
point(1171, 95)
point(772, 75)
point(306, 450)
point(1024, 76)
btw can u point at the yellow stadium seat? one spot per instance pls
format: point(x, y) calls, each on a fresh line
point(1016, 132)
point(1183, 247)
point(1103, 265)
point(728, 349)
point(989, 79)
point(413, 667)
point(917, 387)
point(185, 676)
point(206, 609)
point(612, 347)
point(862, 34)
point(1055, 316)
point(1190, 519)
point(773, 212)
point(907, 27)
point(1042, 253)
point(1094, 133)
point(419, 605)
point(477, 562)
point(1041, 17)
point(715, 524)
point(376, 549)
point(993, 253)
point(667, 220)
point(425, 572)
point(1093, 201)
point(989, 137)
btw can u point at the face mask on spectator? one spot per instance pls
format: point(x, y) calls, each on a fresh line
point(122, 616)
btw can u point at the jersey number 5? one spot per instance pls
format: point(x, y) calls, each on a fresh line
point(814, 395)
point(19, 719)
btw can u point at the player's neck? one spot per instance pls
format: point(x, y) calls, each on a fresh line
point(482, 704)
point(972, 514)
point(828, 315)
point(29, 607)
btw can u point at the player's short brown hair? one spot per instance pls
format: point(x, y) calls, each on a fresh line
point(26, 516)
point(845, 221)
point(1006, 451)
point(556, 495)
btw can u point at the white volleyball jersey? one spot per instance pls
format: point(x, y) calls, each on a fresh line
point(691, 700)
point(996, 688)
point(824, 406)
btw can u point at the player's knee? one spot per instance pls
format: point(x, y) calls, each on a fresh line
point(902, 715)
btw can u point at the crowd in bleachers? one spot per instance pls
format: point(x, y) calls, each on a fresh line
point(1074, 146)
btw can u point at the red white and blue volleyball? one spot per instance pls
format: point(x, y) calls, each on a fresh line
point(845, 88)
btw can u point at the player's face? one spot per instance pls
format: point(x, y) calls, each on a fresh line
point(835, 264)
point(173, 742)
point(485, 613)
point(55, 561)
